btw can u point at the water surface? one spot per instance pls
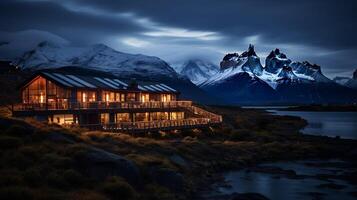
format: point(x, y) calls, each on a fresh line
point(343, 124)
point(280, 187)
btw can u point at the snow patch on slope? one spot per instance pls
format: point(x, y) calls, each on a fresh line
point(198, 71)
point(98, 57)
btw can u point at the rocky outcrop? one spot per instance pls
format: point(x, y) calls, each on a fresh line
point(287, 73)
point(168, 178)
point(101, 164)
point(275, 61)
point(248, 61)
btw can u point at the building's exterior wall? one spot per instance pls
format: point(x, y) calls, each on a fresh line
point(51, 96)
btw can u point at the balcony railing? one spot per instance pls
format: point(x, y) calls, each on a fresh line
point(99, 105)
point(204, 113)
point(152, 125)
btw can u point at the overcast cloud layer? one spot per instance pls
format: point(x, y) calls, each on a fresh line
point(320, 31)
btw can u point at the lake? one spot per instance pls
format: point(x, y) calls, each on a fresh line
point(343, 124)
point(282, 187)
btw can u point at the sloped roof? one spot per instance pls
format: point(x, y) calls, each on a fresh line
point(80, 81)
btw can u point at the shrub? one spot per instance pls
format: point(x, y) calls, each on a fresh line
point(10, 177)
point(15, 159)
point(86, 195)
point(32, 152)
point(55, 179)
point(116, 188)
point(8, 142)
point(15, 193)
point(18, 130)
point(33, 176)
point(156, 192)
point(241, 135)
point(73, 177)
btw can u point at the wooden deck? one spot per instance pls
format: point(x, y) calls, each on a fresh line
point(203, 119)
point(153, 125)
point(100, 105)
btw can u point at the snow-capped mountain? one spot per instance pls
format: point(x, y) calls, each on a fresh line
point(353, 82)
point(310, 70)
point(275, 61)
point(98, 57)
point(49, 55)
point(248, 61)
point(243, 79)
point(341, 80)
point(198, 70)
point(347, 81)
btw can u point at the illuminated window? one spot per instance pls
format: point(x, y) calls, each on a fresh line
point(104, 118)
point(144, 97)
point(86, 96)
point(131, 97)
point(139, 117)
point(35, 92)
point(159, 116)
point(61, 119)
point(176, 115)
point(108, 96)
point(165, 97)
point(122, 117)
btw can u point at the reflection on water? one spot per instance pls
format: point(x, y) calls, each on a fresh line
point(343, 124)
point(282, 187)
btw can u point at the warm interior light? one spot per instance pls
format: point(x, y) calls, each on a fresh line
point(107, 97)
point(42, 98)
point(84, 97)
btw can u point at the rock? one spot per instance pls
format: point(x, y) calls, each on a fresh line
point(168, 178)
point(60, 138)
point(100, 164)
point(248, 196)
point(273, 170)
point(178, 160)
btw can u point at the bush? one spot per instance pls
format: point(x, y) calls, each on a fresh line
point(73, 177)
point(116, 188)
point(241, 135)
point(18, 130)
point(33, 177)
point(15, 193)
point(15, 159)
point(86, 195)
point(8, 142)
point(55, 179)
point(33, 152)
point(10, 177)
point(156, 192)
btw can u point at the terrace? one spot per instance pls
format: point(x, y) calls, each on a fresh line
point(100, 105)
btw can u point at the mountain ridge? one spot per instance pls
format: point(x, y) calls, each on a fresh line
point(291, 82)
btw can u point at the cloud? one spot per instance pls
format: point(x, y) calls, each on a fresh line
point(134, 42)
point(305, 30)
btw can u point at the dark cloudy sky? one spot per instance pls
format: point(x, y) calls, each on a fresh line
point(321, 31)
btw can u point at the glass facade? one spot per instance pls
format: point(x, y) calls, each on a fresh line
point(123, 117)
point(86, 96)
point(61, 119)
point(47, 93)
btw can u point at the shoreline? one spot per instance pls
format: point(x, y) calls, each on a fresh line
point(192, 159)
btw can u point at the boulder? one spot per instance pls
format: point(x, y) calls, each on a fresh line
point(101, 164)
point(178, 160)
point(168, 178)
